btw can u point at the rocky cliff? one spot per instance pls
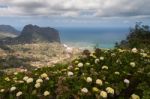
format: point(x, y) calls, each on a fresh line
point(34, 34)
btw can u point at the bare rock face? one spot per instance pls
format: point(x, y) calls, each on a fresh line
point(34, 34)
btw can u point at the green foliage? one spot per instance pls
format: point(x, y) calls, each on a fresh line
point(138, 37)
point(13, 61)
point(112, 67)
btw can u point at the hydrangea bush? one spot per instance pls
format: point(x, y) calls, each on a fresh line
point(102, 74)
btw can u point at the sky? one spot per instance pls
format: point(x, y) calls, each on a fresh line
point(75, 13)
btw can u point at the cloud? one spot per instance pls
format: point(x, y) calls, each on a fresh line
point(3, 6)
point(75, 8)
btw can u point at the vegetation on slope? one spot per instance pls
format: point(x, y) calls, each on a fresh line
point(33, 55)
point(111, 74)
point(138, 37)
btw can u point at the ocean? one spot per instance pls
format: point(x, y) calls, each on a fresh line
point(89, 37)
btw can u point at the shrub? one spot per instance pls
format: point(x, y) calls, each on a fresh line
point(138, 37)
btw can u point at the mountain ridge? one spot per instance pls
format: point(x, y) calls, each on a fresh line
point(8, 31)
point(34, 34)
point(8, 28)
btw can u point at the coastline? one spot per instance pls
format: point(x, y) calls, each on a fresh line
point(88, 45)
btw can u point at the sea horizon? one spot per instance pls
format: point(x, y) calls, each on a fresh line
point(87, 38)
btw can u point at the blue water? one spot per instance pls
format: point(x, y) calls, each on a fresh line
point(88, 37)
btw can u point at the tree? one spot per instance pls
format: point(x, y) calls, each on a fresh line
point(138, 37)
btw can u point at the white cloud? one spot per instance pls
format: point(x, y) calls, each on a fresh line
point(70, 14)
point(75, 8)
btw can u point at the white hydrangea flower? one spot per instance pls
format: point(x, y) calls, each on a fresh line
point(15, 78)
point(80, 65)
point(87, 64)
point(134, 96)
point(20, 81)
point(70, 73)
point(104, 67)
point(89, 79)
point(12, 88)
point(46, 93)
point(37, 85)
point(107, 82)
point(47, 78)
point(126, 81)
point(76, 62)
point(39, 81)
point(99, 82)
point(92, 54)
point(134, 50)
point(83, 74)
point(44, 75)
point(84, 90)
point(110, 90)
point(25, 70)
point(119, 61)
point(2, 90)
point(120, 50)
point(117, 73)
point(70, 67)
point(63, 70)
point(15, 73)
point(96, 61)
point(103, 94)
point(95, 89)
point(76, 68)
point(101, 58)
point(25, 78)
point(143, 54)
point(113, 54)
point(142, 50)
point(18, 93)
point(29, 80)
point(106, 51)
point(132, 64)
point(7, 79)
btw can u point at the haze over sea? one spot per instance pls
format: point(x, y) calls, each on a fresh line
point(88, 37)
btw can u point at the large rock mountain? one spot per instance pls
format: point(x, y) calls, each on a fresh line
point(8, 31)
point(34, 34)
